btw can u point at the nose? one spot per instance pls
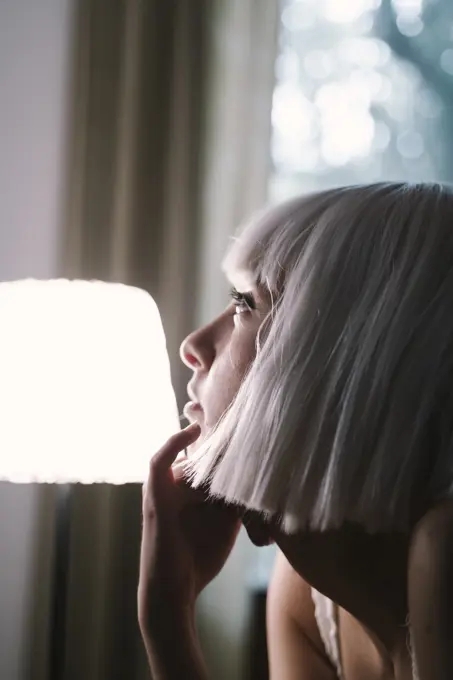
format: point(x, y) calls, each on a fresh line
point(197, 351)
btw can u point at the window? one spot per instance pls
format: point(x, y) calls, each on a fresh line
point(364, 92)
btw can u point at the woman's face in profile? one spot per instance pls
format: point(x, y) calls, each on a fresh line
point(220, 354)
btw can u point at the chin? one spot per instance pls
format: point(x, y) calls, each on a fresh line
point(259, 535)
point(194, 447)
point(262, 543)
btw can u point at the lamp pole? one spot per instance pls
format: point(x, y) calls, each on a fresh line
point(60, 580)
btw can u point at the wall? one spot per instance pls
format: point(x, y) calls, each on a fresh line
point(34, 50)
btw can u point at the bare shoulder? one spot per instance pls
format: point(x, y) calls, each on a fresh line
point(296, 649)
point(430, 591)
point(437, 521)
point(432, 537)
point(431, 549)
point(290, 595)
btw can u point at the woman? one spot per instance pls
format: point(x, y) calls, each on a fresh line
point(322, 420)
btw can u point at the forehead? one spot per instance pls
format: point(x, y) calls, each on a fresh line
point(243, 280)
point(268, 246)
point(258, 254)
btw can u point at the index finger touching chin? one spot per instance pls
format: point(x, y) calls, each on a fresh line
point(166, 456)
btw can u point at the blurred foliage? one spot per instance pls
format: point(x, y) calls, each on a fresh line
point(364, 91)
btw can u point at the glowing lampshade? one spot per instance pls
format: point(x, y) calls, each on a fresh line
point(85, 388)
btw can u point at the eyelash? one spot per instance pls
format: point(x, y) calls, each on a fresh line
point(244, 301)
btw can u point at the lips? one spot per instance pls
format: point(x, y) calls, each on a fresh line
point(193, 409)
point(193, 396)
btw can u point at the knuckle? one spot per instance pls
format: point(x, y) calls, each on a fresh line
point(155, 471)
point(154, 464)
point(149, 509)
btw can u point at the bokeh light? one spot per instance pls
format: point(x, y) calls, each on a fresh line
point(346, 11)
point(319, 64)
point(446, 61)
point(292, 113)
point(299, 16)
point(410, 144)
point(408, 8)
point(347, 106)
point(409, 25)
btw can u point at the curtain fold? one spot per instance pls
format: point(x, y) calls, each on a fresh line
point(168, 150)
point(132, 208)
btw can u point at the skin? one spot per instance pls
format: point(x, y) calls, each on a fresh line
point(367, 576)
point(219, 355)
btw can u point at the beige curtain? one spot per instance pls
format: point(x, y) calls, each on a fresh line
point(133, 186)
point(169, 150)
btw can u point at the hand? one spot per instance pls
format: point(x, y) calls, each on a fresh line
point(186, 537)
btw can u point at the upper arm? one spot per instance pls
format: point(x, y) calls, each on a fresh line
point(296, 651)
point(430, 590)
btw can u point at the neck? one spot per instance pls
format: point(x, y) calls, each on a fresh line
point(362, 573)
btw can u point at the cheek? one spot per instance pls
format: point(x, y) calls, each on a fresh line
point(225, 378)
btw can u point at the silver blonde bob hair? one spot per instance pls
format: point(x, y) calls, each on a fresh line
point(346, 413)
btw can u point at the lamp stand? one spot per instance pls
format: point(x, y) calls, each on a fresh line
point(59, 585)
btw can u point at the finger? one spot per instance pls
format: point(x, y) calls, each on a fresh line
point(164, 458)
point(182, 456)
point(160, 477)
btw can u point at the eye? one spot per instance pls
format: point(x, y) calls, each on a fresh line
point(244, 302)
